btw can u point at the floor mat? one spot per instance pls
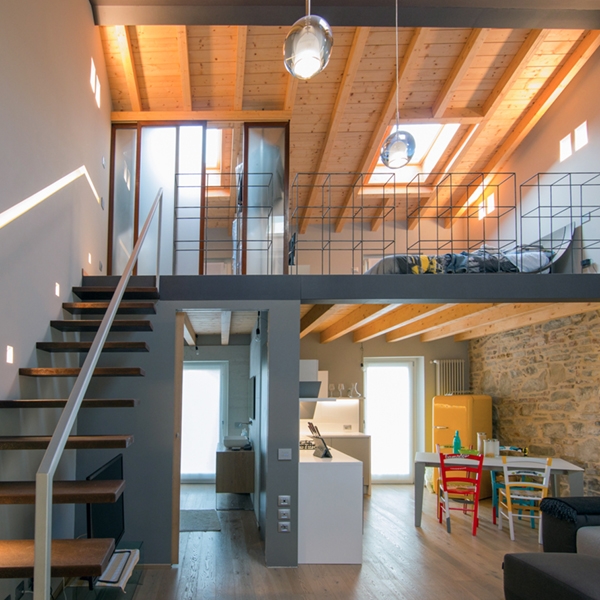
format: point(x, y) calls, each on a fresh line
point(199, 520)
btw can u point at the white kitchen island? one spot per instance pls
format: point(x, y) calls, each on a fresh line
point(330, 509)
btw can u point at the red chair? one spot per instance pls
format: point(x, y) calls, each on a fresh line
point(459, 482)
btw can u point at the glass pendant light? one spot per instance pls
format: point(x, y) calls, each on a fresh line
point(307, 46)
point(398, 147)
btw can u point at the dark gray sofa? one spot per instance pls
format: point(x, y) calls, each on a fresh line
point(569, 567)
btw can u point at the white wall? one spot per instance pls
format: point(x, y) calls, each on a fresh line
point(49, 126)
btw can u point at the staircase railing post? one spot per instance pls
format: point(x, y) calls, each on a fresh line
point(53, 454)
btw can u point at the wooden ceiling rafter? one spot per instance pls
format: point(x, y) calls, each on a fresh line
point(490, 316)
point(403, 315)
point(189, 334)
point(128, 61)
point(201, 115)
point(541, 315)
point(225, 327)
point(361, 316)
point(415, 47)
point(314, 317)
point(355, 55)
point(541, 103)
point(459, 70)
point(434, 321)
point(184, 66)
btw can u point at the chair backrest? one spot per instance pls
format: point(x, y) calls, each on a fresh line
point(528, 475)
point(460, 469)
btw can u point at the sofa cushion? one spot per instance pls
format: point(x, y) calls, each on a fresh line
point(559, 576)
point(588, 541)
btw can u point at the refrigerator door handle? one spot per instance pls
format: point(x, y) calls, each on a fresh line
point(440, 427)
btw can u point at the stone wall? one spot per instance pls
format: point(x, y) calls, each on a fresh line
point(545, 384)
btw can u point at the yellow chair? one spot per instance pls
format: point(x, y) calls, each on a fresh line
point(526, 482)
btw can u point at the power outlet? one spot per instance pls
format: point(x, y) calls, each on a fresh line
point(20, 591)
point(282, 527)
point(284, 514)
point(284, 501)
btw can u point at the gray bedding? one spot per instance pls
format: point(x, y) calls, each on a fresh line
point(483, 260)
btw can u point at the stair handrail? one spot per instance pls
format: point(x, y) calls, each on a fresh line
point(47, 469)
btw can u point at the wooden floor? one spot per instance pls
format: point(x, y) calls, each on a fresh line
point(400, 561)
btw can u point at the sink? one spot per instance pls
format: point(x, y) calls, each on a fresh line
point(235, 441)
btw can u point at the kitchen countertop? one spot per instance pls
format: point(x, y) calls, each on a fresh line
point(338, 434)
point(337, 457)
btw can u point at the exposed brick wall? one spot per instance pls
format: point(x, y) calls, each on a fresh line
point(545, 384)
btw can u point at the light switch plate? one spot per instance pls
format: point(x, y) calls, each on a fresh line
point(284, 454)
point(284, 526)
point(284, 501)
point(284, 514)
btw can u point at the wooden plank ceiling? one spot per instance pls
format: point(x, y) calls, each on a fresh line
point(495, 83)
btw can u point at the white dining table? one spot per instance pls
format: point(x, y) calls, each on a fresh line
point(490, 463)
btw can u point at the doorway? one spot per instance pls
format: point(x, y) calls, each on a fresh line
point(390, 417)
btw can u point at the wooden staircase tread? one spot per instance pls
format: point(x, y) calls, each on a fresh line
point(85, 346)
point(101, 292)
point(94, 324)
point(60, 402)
point(63, 492)
point(70, 558)
point(74, 442)
point(125, 307)
point(74, 372)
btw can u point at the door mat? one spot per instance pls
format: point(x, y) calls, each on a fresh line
point(199, 520)
point(234, 502)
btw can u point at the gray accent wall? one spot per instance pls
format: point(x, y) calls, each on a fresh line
point(148, 462)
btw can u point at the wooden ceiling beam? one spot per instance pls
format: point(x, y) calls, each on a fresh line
point(128, 60)
point(496, 314)
point(432, 322)
point(472, 46)
point(403, 315)
point(240, 68)
point(542, 102)
point(189, 333)
point(184, 66)
point(361, 316)
point(201, 115)
point(548, 313)
point(314, 317)
point(290, 93)
point(415, 47)
point(225, 327)
point(355, 55)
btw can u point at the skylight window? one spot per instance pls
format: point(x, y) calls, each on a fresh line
point(431, 139)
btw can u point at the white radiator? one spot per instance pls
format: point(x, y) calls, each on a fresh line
point(449, 376)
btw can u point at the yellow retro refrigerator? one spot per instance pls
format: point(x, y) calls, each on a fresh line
point(467, 413)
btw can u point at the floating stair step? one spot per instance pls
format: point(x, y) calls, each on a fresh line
point(101, 292)
point(60, 402)
point(85, 346)
point(75, 442)
point(94, 325)
point(70, 558)
point(125, 308)
point(64, 492)
point(74, 372)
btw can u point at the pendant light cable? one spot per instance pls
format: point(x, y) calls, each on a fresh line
point(397, 67)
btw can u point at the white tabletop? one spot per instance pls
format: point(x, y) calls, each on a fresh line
point(337, 457)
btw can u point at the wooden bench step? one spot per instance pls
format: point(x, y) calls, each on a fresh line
point(75, 442)
point(94, 325)
point(60, 402)
point(64, 492)
point(101, 292)
point(74, 372)
point(85, 346)
point(70, 558)
point(125, 308)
